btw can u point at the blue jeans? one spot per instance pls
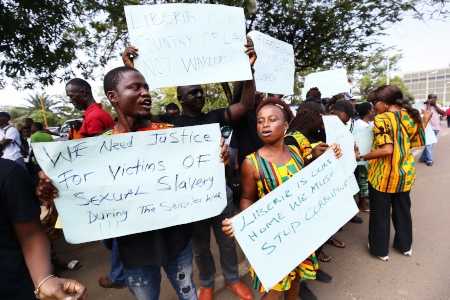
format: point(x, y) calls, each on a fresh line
point(427, 154)
point(201, 244)
point(116, 274)
point(144, 282)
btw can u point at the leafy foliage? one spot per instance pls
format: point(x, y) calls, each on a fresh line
point(41, 41)
point(373, 72)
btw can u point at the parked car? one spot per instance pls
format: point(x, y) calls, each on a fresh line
point(66, 127)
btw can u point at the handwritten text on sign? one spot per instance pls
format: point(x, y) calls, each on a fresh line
point(283, 228)
point(121, 184)
point(186, 44)
point(274, 68)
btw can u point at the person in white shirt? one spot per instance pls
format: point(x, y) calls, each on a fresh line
point(10, 140)
point(436, 109)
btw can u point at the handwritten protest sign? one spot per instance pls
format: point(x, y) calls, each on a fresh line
point(329, 82)
point(186, 44)
point(283, 228)
point(430, 136)
point(274, 68)
point(121, 184)
point(338, 133)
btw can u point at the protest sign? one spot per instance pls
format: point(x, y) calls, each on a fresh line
point(274, 68)
point(186, 44)
point(283, 228)
point(338, 133)
point(364, 140)
point(121, 184)
point(329, 83)
point(430, 136)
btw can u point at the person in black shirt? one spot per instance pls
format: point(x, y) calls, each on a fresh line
point(192, 101)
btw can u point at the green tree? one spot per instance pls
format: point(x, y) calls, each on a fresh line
point(373, 73)
point(52, 118)
point(34, 102)
point(42, 40)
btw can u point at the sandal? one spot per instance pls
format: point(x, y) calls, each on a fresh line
point(323, 257)
point(336, 242)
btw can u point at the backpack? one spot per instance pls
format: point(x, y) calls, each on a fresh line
point(24, 147)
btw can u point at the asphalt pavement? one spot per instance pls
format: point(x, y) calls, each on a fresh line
point(356, 274)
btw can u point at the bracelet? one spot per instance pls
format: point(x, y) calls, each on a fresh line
point(36, 291)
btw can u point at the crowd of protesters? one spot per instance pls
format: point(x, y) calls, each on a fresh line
point(270, 145)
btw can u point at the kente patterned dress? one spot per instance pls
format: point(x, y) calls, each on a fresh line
point(304, 145)
point(395, 173)
point(275, 175)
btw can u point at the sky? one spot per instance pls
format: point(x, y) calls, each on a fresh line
point(425, 46)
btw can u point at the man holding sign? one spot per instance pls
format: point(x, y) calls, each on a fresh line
point(192, 101)
point(143, 254)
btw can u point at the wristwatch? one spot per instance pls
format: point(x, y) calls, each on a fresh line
point(361, 158)
point(309, 157)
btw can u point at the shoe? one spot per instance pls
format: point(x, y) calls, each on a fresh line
point(323, 277)
point(206, 293)
point(241, 290)
point(356, 219)
point(305, 293)
point(105, 283)
point(429, 163)
point(408, 253)
point(383, 258)
point(422, 161)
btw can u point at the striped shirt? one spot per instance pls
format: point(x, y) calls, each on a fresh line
point(304, 146)
point(395, 173)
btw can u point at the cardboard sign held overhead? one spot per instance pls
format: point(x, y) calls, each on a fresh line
point(274, 68)
point(329, 83)
point(186, 44)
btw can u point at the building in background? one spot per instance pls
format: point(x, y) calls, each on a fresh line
point(438, 83)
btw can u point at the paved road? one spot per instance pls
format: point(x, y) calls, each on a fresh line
point(356, 274)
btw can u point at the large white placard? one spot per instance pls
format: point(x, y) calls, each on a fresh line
point(186, 44)
point(338, 133)
point(364, 140)
point(274, 68)
point(121, 184)
point(283, 228)
point(329, 83)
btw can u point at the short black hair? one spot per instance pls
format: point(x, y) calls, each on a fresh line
point(112, 78)
point(81, 84)
point(38, 125)
point(172, 106)
point(364, 108)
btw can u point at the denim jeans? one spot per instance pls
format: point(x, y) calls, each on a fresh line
point(201, 241)
point(116, 274)
point(144, 282)
point(427, 154)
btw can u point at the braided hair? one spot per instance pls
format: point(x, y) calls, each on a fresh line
point(306, 112)
point(338, 103)
point(390, 94)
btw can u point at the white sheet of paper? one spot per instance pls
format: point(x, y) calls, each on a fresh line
point(283, 228)
point(364, 138)
point(122, 184)
point(430, 137)
point(274, 68)
point(329, 83)
point(187, 44)
point(338, 133)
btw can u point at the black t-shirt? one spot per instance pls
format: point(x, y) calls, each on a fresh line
point(214, 116)
point(246, 136)
point(18, 203)
point(155, 248)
